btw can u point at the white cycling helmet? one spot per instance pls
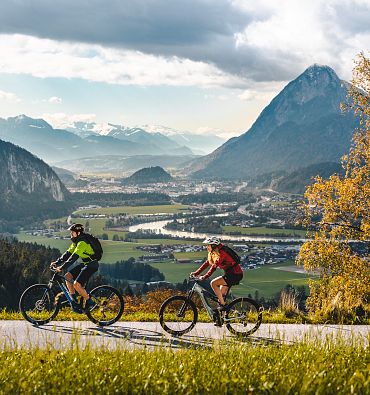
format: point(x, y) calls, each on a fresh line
point(212, 240)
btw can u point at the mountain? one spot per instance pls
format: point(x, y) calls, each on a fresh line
point(66, 176)
point(29, 188)
point(298, 180)
point(302, 125)
point(181, 143)
point(148, 175)
point(123, 165)
point(53, 145)
point(135, 135)
point(200, 144)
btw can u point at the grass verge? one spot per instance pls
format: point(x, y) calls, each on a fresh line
point(269, 317)
point(304, 368)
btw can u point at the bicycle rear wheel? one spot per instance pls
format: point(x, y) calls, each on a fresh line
point(178, 315)
point(38, 304)
point(109, 305)
point(244, 317)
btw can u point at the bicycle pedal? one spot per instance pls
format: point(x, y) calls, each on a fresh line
point(57, 297)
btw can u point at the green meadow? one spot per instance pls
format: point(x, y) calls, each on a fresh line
point(136, 210)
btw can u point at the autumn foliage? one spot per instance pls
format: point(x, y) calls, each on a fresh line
point(338, 209)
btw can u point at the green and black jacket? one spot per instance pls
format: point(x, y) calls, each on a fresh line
point(80, 248)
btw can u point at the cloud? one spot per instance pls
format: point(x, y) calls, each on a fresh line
point(261, 91)
point(9, 97)
point(232, 41)
point(55, 100)
point(47, 58)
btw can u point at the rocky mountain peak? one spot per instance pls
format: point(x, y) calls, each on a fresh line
point(303, 125)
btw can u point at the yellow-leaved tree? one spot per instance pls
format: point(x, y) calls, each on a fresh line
point(338, 209)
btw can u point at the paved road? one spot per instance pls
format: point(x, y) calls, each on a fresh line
point(129, 335)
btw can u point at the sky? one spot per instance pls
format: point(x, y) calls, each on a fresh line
point(204, 66)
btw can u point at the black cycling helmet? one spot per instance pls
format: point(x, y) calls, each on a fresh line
point(76, 228)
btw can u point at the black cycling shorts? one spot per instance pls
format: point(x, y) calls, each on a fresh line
point(81, 273)
point(232, 278)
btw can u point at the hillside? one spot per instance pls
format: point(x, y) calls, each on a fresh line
point(117, 164)
point(148, 175)
point(303, 125)
point(298, 180)
point(29, 188)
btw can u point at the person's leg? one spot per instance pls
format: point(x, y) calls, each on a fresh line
point(69, 283)
point(224, 290)
point(70, 276)
point(82, 279)
point(216, 285)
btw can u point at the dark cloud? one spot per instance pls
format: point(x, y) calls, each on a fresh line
point(123, 23)
point(200, 30)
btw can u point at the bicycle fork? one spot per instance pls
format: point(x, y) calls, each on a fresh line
point(181, 312)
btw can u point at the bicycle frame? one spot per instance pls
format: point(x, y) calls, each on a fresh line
point(198, 289)
point(59, 279)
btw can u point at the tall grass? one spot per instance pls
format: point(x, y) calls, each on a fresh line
point(305, 368)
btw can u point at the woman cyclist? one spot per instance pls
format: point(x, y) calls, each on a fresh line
point(218, 257)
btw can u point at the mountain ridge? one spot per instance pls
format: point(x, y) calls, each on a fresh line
point(302, 125)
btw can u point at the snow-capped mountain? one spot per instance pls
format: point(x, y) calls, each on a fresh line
point(134, 134)
point(184, 143)
point(200, 144)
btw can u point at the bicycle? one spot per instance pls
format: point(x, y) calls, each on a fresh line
point(178, 314)
point(39, 304)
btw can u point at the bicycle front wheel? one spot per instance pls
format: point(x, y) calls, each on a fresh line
point(38, 304)
point(109, 305)
point(178, 315)
point(244, 317)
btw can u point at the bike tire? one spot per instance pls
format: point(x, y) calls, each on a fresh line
point(245, 316)
point(110, 305)
point(42, 300)
point(169, 309)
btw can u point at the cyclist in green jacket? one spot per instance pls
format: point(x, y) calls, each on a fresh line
point(80, 274)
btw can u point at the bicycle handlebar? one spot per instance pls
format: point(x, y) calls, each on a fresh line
point(195, 278)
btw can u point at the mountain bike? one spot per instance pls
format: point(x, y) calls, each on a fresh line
point(39, 304)
point(178, 314)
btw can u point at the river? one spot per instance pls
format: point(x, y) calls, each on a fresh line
point(158, 227)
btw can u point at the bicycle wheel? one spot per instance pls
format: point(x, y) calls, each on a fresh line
point(38, 304)
point(244, 317)
point(178, 315)
point(109, 305)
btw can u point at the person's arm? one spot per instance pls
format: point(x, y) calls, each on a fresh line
point(210, 272)
point(67, 258)
point(70, 261)
point(64, 257)
point(79, 251)
point(203, 267)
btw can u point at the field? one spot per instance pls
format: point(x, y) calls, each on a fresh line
point(165, 209)
point(259, 231)
point(249, 368)
point(267, 280)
